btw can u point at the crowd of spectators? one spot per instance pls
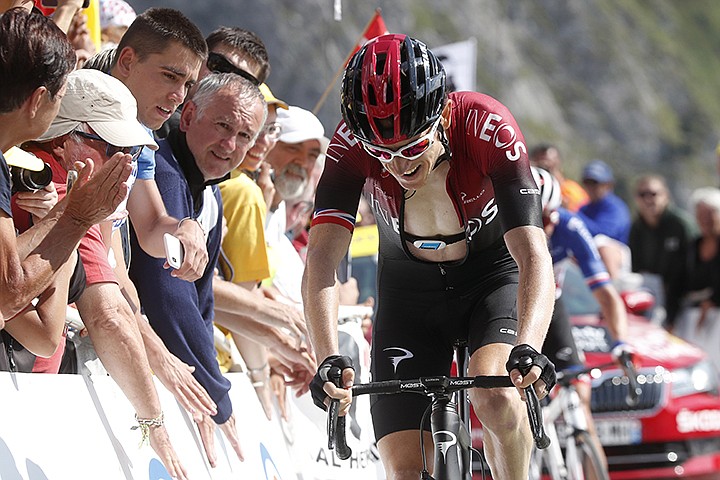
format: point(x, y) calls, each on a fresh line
point(170, 133)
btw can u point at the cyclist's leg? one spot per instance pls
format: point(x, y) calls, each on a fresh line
point(400, 454)
point(492, 333)
point(507, 439)
point(410, 340)
point(559, 344)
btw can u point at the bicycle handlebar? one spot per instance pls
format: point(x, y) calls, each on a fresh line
point(440, 385)
point(628, 367)
point(534, 410)
point(336, 432)
point(624, 359)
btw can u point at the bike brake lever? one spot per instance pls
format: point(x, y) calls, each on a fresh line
point(534, 409)
point(336, 431)
point(628, 367)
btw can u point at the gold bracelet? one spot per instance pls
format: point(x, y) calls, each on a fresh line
point(144, 425)
point(258, 370)
point(264, 370)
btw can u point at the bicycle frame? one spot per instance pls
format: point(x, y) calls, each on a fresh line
point(567, 405)
point(451, 438)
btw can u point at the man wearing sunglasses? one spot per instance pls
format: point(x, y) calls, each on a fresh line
point(660, 237)
point(462, 254)
point(230, 50)
point(98, 120)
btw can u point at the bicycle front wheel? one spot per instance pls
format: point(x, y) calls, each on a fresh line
point(588, 464)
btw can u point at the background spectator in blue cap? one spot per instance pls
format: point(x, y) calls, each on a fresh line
point(607, 217)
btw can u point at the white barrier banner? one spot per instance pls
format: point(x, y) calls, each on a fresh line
point(57, 427)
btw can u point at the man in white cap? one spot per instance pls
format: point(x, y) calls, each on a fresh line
point(98, 120)
point(301, 145)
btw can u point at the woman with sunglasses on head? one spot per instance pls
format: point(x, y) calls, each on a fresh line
point(462, 251)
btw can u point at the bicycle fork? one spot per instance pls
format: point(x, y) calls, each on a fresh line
point(452, 458)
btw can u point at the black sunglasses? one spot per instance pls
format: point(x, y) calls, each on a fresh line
point(111, 149)
point(217, 63)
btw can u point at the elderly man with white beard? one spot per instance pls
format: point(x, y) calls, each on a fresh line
point(298, 153)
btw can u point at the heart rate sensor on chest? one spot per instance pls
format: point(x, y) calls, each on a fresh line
point(429, 244)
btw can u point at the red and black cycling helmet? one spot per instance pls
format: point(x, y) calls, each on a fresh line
point(393, 89)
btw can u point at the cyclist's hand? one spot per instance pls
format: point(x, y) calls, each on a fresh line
point(621, 351)
point(541, 374)
point(335, 371)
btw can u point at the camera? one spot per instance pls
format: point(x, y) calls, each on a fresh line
point(24, 180)
point(54, 3)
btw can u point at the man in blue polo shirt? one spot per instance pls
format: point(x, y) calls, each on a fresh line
point(218, 125)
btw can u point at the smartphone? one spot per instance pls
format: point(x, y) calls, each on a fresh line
point(54, 3)
point(71, 177)
point(174, 251)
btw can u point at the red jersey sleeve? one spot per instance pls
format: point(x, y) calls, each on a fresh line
point(341, 184)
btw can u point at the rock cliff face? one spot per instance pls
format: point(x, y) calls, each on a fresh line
point(631, 81)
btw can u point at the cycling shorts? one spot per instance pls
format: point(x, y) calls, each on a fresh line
point(422, 310)
point(559, 344)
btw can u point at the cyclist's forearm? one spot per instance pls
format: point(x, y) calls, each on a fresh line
point(613, 310)
point(327, 245)
point(321, 317)
point(536, 288)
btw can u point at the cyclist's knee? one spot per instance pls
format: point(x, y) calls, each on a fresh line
point(400, 453)
point(497, 408)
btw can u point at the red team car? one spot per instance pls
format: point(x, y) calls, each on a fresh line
point(674, 429)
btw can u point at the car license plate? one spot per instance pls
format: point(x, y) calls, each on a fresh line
point(619, 432)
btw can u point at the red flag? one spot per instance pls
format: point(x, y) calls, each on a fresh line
point(375, 28)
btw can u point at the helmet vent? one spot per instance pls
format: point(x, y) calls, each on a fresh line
point(372, 99)
point(380, 63)
point(389, 96)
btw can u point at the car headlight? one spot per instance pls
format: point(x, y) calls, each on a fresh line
point(699, 378)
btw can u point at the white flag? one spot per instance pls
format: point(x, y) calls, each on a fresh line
point(459, 60)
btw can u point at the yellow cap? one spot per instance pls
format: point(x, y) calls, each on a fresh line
point(270, 98)
point(20, 158)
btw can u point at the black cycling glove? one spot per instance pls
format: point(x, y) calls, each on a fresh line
point(520, 351)
point(330, 370)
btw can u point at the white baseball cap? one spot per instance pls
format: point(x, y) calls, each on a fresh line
point(299, 125)
point(104, 103)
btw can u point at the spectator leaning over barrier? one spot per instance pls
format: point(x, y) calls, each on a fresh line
point(257, 322)
point(607, 217)
point(158, 60)
point(35, 60)
point(98, 120)
point(218, 125)
point(241, 52)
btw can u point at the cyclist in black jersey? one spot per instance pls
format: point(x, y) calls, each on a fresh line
point(462, 251)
